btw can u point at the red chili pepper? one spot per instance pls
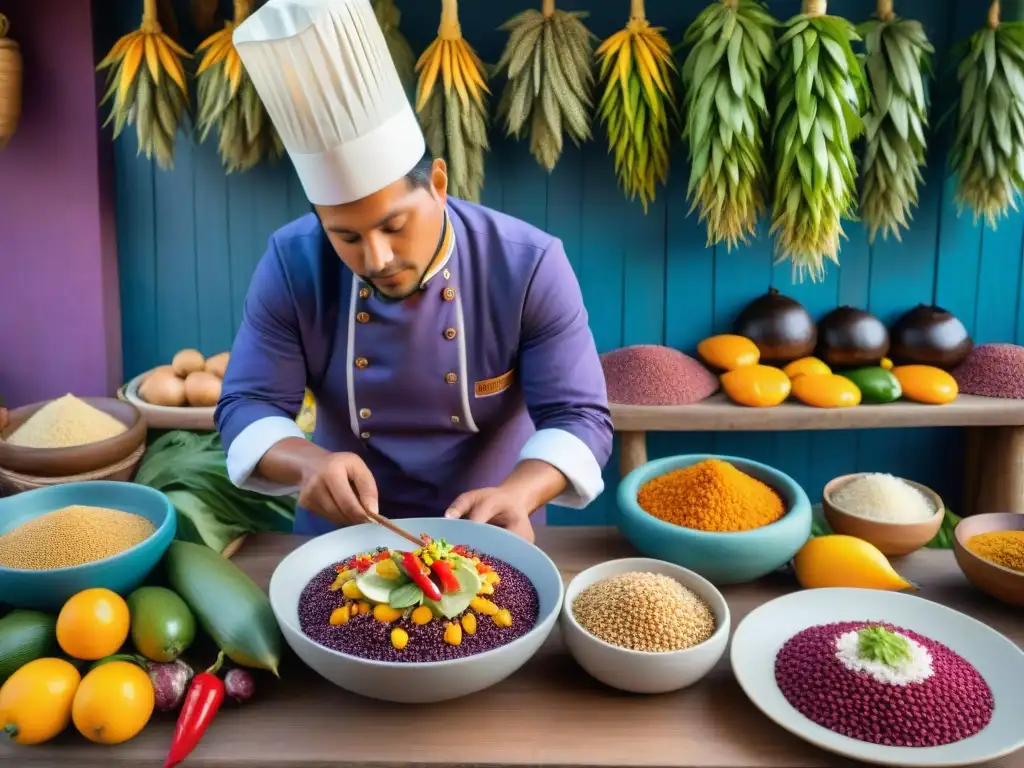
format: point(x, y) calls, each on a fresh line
point(420, 576)
point(444, 574)
point(202, 701)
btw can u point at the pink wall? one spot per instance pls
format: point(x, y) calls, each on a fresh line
point(60, 320)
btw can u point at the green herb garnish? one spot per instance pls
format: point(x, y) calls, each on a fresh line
point(405, 596)
point(879, 644)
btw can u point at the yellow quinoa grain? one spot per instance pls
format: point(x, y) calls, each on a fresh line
point(72, 536)
point(64, 423)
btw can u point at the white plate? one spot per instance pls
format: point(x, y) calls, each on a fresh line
point(762, 633)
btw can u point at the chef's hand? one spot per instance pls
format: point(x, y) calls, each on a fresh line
point(497, 506)
point(340, 488)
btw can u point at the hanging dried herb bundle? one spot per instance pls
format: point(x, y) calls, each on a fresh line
point(451, 102)
point(146, 81)
point(898, 58)
point(549, 92)
point(819, 88)
point(228, 101)
point(725, 75)
point(389, 17)
point(988, 152)
point(637, 70)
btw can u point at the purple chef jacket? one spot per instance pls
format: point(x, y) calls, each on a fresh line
point(492, 363)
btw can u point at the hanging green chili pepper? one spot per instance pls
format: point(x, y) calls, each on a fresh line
point(444, 574)
point(420, 576)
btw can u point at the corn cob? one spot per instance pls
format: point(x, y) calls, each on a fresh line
point(548, 61)
point(725, 76)
point(988, 153)
point(898, 59)
point(227, 100)
point(452, 108)
point(146, 81)
point(637, 70)
point(819, 86)
point(389, 17)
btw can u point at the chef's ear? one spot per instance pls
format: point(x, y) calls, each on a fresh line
point(439, 179)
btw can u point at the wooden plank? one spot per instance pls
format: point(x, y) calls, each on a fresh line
point(718, 414)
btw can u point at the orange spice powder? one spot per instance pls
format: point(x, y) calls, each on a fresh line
point(711, 496)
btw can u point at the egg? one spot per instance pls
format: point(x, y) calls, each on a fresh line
point(202, 389)
point(188, 361)
point(163, 387)
point(218, 364)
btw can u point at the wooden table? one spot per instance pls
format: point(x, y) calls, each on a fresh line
point(548, 714)
point(995, 448)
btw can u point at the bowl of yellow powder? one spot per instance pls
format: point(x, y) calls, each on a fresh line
point(70, 436)
point(990, 551)
point(729, 519)
point(57, 541)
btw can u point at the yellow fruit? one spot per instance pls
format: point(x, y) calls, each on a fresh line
point(807, 366)
point(727, 351)
point(113, 703)
point(845, 561)
point(926, 384)
point(93, 624)
point(422, 615)
point(35, 702)
point(756, 386)
point(886, 363)
point(827, 390)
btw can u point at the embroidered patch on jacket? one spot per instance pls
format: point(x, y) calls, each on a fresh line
point(494, 386)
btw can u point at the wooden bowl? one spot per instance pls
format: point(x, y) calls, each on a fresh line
point(892, 539)
point(14, 482)
point(1000, 582)
point(64, 462)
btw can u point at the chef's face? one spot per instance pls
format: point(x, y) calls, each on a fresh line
point(390, 237)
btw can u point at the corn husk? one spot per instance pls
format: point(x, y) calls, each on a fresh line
point(988, 152)
point(389, 18)
point(229, 102)
point(898, 60)
point(725, 76)
point(819, 89)
point(636, 68)
point(146, 84)
point(548, 61)
point(451, 99)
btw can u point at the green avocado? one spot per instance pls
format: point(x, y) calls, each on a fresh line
point(876, 385)
point(162, 627)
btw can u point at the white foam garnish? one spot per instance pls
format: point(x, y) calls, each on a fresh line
point(918, 669)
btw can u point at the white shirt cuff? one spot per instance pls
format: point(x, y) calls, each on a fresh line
point(248, 449)
point(570, 456)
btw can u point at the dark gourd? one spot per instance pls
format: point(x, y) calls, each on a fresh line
point(851, 338)
point(781, 327)
point(929, 335)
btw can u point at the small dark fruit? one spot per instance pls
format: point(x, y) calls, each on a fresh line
point(781, 327)
point(850, 338)
point(930, 335)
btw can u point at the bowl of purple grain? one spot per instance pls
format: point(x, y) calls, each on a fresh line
point(381, 617)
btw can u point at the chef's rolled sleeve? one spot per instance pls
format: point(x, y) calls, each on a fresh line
point(563, 382)
point(266, 378)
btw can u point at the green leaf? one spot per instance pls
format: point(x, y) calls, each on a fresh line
point(405, 596)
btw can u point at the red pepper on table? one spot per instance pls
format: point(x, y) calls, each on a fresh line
point(444, 574)
point(202, 701)
point(420, 575)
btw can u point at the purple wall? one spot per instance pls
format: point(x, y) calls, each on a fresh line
point(60, 325)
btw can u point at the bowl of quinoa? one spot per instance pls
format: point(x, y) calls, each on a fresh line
point(382, 618)
point(882, 677)
point(643, 625)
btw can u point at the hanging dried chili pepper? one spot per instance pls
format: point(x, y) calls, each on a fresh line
point(202, 701)
point(420, 576)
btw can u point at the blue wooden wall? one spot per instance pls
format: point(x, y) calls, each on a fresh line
point(189, 239)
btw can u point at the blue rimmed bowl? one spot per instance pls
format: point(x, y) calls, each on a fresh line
point(48, 590)
point(721, 558)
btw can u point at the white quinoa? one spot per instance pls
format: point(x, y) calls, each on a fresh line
point(64, 423)
point(885, 498)
point(644, 612)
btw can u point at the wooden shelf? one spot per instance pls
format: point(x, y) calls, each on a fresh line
point(719, 414)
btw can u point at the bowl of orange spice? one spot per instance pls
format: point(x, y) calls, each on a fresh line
point(729, 519)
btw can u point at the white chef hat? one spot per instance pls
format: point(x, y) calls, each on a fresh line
point(324, 73)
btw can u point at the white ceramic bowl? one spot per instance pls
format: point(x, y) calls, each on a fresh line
point(414, 682)
point(640, 671)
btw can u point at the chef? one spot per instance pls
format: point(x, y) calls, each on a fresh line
point(446, 344)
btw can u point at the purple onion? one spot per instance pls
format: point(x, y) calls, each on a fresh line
point(169, 683)
point(239, 684)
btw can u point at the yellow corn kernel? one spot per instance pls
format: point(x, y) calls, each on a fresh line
point(503, 618)
point(363, 606)
point(350, 590)
point(387, 569)
point(399, 638)
point(483, 605)
point(353, 609)
point(491, 577)
point(469, 623)
point(341, 578)
point(422, 615)
point(339, 616)
point(453, 633)
point(386, 613)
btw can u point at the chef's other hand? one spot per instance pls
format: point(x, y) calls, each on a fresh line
point(496, 506)
point(340, 488)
